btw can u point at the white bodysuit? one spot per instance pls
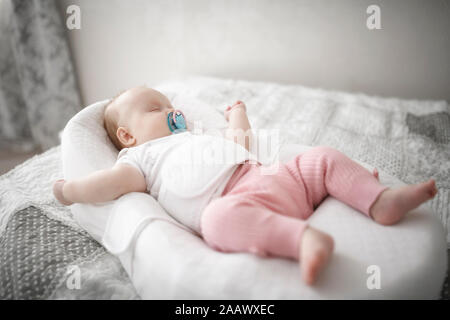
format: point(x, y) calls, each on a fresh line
point(185, 171)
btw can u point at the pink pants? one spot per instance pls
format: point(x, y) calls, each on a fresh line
point(264, 214)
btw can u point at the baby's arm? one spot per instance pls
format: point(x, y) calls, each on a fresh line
point(239, 129)
point(100, 186)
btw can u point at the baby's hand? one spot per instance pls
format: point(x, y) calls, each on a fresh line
point(238, 105)
point(58, 192)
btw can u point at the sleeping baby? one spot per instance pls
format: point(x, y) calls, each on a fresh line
point(213, 184)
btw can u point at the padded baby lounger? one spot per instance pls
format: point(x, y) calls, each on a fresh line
point(166, 261)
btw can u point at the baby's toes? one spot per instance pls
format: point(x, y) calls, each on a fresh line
point(313, 265)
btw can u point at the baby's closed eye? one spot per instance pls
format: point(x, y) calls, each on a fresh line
point(154, 108)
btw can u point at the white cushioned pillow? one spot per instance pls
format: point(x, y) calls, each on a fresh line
point(166, 261)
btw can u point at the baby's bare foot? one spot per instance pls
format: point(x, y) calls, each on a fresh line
point(315, 250)
point(393, 204)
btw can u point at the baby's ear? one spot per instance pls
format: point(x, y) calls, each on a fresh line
point(125, 137)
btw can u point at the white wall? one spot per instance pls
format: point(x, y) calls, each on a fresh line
point(316, 43)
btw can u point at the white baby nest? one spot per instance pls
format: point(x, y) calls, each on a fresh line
point(165, 261)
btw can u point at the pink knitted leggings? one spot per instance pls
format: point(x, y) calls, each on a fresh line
point(265, 214)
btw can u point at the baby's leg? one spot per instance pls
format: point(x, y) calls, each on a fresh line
point(325, 170)
point(235, 223)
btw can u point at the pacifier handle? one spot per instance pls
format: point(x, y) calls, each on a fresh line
point(176, 121)
point(178, 112)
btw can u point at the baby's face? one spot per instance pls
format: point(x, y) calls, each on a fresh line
point(143, 113)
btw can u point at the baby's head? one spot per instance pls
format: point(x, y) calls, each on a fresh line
point(137, 116)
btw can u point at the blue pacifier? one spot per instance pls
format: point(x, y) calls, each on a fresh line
point(176, 121)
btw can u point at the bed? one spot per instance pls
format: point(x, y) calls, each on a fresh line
point(44, 245)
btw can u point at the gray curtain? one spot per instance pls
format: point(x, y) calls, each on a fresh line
point(38, 90)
